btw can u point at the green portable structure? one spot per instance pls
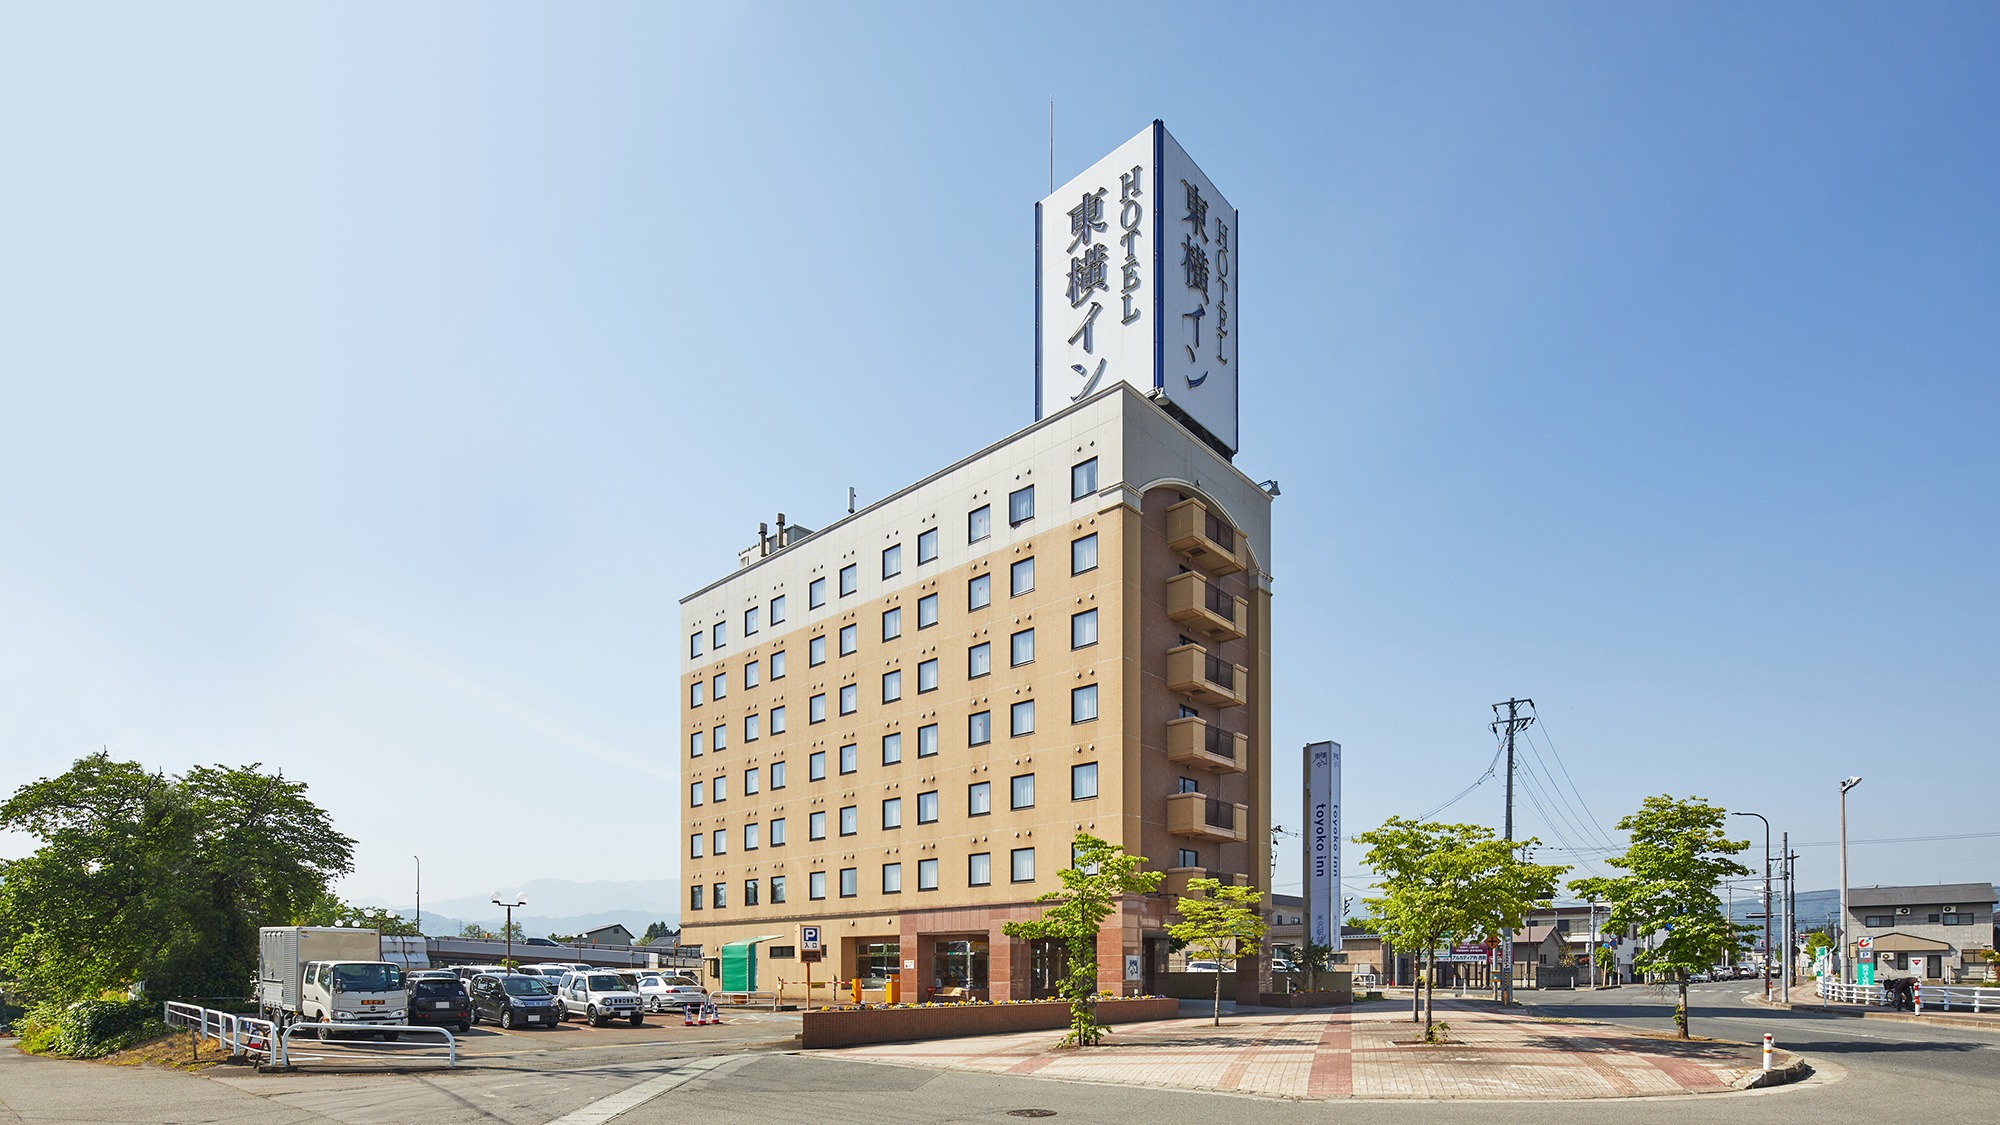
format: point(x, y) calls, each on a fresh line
point(739, 964)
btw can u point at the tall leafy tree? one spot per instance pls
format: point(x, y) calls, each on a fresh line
point(140, 876)
point(1677, 855)
point(1445, 883)
point(1098, 875)
point(1218, 921)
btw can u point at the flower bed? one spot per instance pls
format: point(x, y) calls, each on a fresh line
point(847, 1027)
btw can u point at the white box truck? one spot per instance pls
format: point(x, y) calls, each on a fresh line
point(327, 974)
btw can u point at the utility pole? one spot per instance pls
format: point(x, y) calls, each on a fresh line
point(1767, 901)
point(1785, 931)
point(1514, 721)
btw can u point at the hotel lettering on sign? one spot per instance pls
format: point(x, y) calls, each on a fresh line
point(1322, 844)
point(1135, 282)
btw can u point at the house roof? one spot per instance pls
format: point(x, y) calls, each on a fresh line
point(1939, 894)
point(1894, 942)
point(1532, 935)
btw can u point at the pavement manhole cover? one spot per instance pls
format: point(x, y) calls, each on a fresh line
point(1031, 1113)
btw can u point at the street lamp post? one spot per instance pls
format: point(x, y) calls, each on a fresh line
point(1767, 901)
point(420, 894)
point(507, 931)
point(1846, 962)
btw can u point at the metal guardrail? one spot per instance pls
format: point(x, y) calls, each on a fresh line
point(1840, 993)
point(322, 1030)
point(745, 999)
point(1932, 997)
point(241, 1035)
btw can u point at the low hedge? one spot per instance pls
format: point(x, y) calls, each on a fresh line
point(91, 1029)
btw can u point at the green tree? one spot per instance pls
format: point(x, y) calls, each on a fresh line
point(1098, 875)
point(1218, 920)
point(654, 932)
point(1449, 882)
point(1677, 854)
point(473, 931)
point(1315, 959)
point(142, 876)
point(1604, 962)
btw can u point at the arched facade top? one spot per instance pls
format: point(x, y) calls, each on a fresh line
point(1235, 520)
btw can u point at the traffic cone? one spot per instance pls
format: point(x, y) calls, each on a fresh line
point(687, 1015)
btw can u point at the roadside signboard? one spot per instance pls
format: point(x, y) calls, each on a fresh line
point(809, 938)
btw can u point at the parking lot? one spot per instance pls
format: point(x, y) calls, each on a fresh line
point(660, 1036)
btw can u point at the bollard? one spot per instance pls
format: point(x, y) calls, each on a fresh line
point(1917, 996)
point(1767, 1050)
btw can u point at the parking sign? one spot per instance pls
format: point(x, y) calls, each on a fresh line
point(809, 938)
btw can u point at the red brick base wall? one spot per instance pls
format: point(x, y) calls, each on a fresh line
point(891, 1025)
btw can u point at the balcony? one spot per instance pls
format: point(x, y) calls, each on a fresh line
point(1205, 608)
point(1192, 742)
point(1207, 541)
point(1192, 672)
point(1198, 816)
point(1178, 878)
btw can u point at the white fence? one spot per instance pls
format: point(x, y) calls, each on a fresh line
point(260, 1040)
point(1930, 997)
point(240, 1035)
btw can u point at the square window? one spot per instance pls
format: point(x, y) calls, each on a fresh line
point(1083, 704)
point(720, 892)
point(892, 878)
point(1022, 864)
point(979, 523)
point(750, 671)
point(697, 693)
point(1190, 785)
point(979, 869)
point(695, 896)
point(927, 546)
point(778, 610)
point(816, 709)
point(849, 886)
point(749, 892)
point(1021, 718)
point(892, 686)
point(694, 645)
point(850, 758)
point(979, 592)
point(892, 623)
point(721, 842)
point(777, 775)
point(892, 812)
point(979, 798)
point(892, 560)
point(750, 778)
point(1083, 554)
point(750, 836)
point(816, 651)
point(777, 889)
point(850, 639)
point(719, 789)
point(1083, 629)
point(1022, 576)
point(750, 620)
point(1020, 506)
point(892, 749)
point(849, 820)
point(694, 845)
point(1190, 858)
point(719, 636)
point(777, 720)
point(751, 724)
point(979, 729)
point(1083, 479)
point(927, 874)
point(778, 832)
point(777, 665)
point(816, 766)
point(816, 885)
point(850, 579)
point(816, 825)
point(721, 688)
point(1083, 781)
point(1022, 648)
point(816, 593)
point(1021, 791)
point(718, 739)
point(695, 741)
point(927, 611)
point(695, 792)
point(927, 807)
point(927, 740)
point(979, 660)
point(927, 676)
point(850, 697)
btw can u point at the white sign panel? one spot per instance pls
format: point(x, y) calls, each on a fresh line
point(1136, 282)
point(1322, 833)
point(809, 938)
point(1133, 966)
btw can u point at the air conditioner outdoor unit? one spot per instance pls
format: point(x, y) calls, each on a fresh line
point(1902, 910)
point(1951, 910)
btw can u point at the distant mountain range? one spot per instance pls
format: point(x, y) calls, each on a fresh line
point(553, 906)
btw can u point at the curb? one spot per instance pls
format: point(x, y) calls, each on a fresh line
point(1797, 1070)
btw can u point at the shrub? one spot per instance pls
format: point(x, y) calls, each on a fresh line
point(91, 1029)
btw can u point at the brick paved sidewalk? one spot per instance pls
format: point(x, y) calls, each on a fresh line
point(1354, 1053)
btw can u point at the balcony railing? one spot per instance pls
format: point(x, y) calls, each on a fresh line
point(1207, 540)
point(1203, 607)
point(1193, 672)
point(1191, 741)
point(1201, 817)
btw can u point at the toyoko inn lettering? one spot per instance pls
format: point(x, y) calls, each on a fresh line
point(1106, 310)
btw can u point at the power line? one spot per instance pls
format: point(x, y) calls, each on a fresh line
point(1483, 779)
point(1602, 834)
point(1897, 840)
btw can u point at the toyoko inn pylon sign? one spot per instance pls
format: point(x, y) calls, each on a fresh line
point(1135, 279)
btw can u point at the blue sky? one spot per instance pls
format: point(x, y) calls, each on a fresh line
point(377, 377)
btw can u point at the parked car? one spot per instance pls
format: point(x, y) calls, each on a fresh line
point(413, 976)
point(551, 973)
point(538, 941)
point(1205, 967)
point(513, 1000)
point(440, 999)
point(598, 996)
point(467, 972)
point(1700, 978)
point(668, 993)
point(1284, 965)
